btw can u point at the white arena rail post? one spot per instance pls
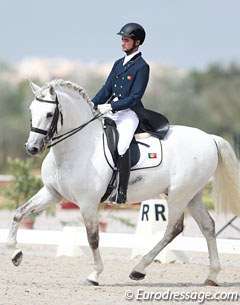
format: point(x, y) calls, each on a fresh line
point(70, 242)
point(152, 222)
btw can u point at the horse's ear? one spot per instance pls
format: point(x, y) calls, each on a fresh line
point(35, 88)
point(51, 90)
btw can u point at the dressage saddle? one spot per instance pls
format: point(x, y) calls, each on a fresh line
point(149, 121)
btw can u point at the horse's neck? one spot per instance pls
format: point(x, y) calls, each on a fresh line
point(77, 112)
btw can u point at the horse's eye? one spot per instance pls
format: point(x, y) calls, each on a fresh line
point(49, 115)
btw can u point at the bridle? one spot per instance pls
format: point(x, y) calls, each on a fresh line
point(53, 127)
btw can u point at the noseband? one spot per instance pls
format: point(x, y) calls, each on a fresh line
point(53, 127)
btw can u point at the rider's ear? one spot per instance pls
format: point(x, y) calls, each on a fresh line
point(35, 88)
point(137, 43)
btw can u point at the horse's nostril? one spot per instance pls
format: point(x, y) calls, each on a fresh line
point(33, 150)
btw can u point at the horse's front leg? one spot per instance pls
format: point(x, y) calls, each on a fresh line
point(91, 223)
point(43, 199)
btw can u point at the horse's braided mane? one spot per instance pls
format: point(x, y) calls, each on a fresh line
point(68, 84)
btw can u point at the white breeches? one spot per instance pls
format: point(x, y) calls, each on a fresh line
point(127, 123)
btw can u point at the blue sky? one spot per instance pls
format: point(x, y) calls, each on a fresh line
point(183, 33)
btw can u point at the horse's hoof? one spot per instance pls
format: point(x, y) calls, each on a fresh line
point(17, 258)
point(137, 276)
point(91, 283)
point(209, 282)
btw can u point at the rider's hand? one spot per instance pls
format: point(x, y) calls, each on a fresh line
point(103, 108)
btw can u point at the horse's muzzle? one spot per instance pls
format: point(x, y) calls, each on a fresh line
point(34, 150)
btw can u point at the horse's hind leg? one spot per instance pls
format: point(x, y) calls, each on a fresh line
point(207, 227)
point(38, 202)
point(91, 223)
point(174, 227)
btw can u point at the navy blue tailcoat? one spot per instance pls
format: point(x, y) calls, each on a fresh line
point(127, 83)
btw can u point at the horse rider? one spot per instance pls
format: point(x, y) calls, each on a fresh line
point(120, 98)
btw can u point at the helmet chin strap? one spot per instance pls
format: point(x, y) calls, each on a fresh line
point(132, 49)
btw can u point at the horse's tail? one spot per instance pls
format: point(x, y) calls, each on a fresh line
point(226, 182)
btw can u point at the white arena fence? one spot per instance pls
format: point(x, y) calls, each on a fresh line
point(152, 221)
point(72, 241)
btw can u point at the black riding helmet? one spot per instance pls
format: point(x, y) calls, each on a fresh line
point(134, 31)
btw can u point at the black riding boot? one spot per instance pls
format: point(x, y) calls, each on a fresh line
point(124, 165)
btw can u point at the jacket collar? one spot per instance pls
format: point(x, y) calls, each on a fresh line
point(127, 58)
point(136, 56)
point(128, 64)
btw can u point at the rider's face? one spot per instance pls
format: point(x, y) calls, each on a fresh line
point(128, 43)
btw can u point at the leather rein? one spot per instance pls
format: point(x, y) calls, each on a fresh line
point(53, 127)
